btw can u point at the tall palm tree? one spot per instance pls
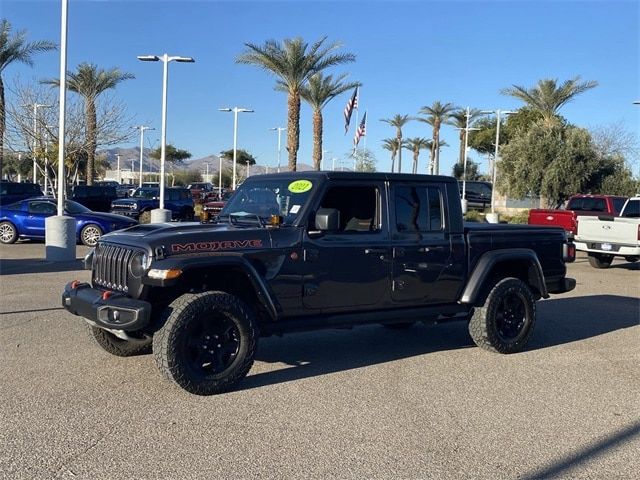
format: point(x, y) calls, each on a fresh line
point(398, 121)
point(547, 96)
point(415, 145)
point(15, 49)
point(458, 119)
point(319, 91)
point(437, 114)
point(293, 62)
point(89, 82)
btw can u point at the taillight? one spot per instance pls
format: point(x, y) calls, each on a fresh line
point(568, 252)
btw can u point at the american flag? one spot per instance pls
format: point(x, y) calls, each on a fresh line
point(348, 110)
point(362, 130)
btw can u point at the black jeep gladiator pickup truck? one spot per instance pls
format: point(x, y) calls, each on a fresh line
point(300, 251)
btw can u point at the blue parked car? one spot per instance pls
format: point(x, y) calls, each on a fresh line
point(143, 200)
point(25, 219)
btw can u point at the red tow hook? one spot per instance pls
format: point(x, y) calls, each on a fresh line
point(75, 284)
point(106, 294)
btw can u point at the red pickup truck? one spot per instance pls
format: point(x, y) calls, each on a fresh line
point(577, 205)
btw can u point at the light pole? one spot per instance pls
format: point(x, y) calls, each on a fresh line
point(118, 167)
point(142, 128)
point(498, 113)
point(279, 130)
point(235, 111)
point(464, 163)
point(220, 175)
point(163, 215)
point(36, 106)
point(322, 159)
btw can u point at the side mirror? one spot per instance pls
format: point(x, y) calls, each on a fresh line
point(327, 219)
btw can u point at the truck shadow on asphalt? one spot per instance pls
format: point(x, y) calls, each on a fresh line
point(18, 266)
point(311, 354)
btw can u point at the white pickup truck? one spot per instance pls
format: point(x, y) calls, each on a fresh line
point(606, 237)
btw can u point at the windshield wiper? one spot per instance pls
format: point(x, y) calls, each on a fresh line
point(235, 218)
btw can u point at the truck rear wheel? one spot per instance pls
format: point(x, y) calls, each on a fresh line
point(505, 322)
point(207, 343)
point(599, 260)
point(631, 259)
point(117, 346)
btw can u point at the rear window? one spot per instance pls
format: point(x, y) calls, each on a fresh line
point(587, 204)
point(632, 210)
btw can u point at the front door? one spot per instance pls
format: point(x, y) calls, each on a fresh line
point(422, 251)
point(39, 210)
point(349, 269)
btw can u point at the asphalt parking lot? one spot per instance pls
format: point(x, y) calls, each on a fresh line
point(362, 403)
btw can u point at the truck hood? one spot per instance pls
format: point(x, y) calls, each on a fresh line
point(189, 238)
point(125, 202)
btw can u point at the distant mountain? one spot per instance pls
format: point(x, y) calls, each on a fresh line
point(131, 156)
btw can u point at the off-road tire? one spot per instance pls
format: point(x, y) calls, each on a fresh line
point(87, 234)
point(599, 260)
point(191, 318)
point(117, 346)
point(489, 322)
point(8, 233)
point(631, 259)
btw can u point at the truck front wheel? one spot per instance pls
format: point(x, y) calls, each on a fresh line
point(599, 260)
point(117, 346)
point(207, 343)
point(505, 322)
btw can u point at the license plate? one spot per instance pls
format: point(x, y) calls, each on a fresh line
point(606, 246)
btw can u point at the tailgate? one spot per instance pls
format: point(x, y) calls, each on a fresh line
point(553, 218)
point(618, 231)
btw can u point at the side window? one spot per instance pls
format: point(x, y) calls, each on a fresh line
point(358, 206)
point(42, 207)
point(618, 203)
point(418, 209)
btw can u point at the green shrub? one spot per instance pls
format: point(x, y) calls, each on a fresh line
point(474, 216)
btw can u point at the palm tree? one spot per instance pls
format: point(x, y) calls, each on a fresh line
point(459, 120)
point(547, 97)
point(89, 82)
point(15, 49)
point(319, 91)
point(293, 62)
point(398, 121)
point(415, 145)
point(391, 144)
point(437, 114)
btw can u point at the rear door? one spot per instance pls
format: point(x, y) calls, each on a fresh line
point(422, 248)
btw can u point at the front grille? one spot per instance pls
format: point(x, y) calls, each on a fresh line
point(111, 266)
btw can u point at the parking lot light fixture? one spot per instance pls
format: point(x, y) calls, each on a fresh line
point(165, 59)
point(498, 114)
point(142, 129)
point(235, 111)
point(279, 130)
point(36, 106)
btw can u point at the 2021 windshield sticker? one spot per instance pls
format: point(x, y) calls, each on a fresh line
point(300, 186)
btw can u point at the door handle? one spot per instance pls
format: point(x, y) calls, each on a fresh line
point(375, 251)
point(430, 249)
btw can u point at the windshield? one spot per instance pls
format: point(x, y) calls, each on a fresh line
point(145, 193)
point(75, 208)
point(285, 197)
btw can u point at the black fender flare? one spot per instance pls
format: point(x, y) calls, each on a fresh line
point(198, 262)
point(489, 260)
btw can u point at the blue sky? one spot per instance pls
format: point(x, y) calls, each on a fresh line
point(409, 54)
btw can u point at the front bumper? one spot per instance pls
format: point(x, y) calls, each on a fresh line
point(116, 312)
point(127, 213)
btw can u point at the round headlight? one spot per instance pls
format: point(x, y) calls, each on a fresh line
point(134, 206)
point(138, 264)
